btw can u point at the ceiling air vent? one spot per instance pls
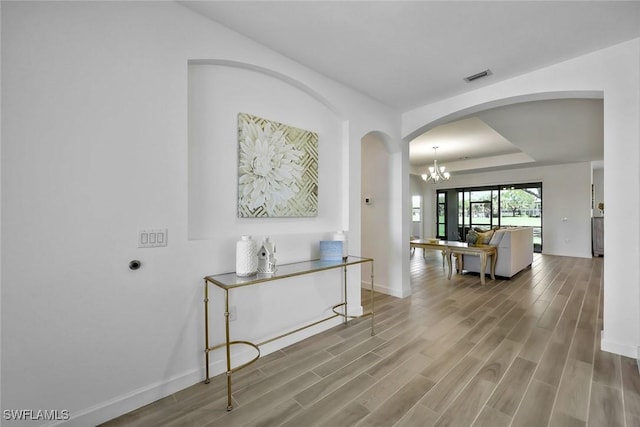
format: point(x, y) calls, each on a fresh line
point(477, 76)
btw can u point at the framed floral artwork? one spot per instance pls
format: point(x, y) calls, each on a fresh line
point(277, 169)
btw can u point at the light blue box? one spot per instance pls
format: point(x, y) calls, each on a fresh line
point(330, 250)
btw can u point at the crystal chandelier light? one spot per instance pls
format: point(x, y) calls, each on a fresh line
point(436, 173)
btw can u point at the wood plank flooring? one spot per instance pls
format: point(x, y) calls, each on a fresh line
point(519, 352)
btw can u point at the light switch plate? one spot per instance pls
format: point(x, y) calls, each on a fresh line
point(152, 238)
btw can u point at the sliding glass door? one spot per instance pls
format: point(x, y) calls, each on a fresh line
point(441, 225)
point(500, 206)
point(521, 205)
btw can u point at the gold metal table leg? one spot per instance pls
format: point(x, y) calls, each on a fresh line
point(346, 311)
point(206, 331)
point(371, 292)
point(228, 347)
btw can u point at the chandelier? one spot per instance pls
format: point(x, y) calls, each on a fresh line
point(436, 173)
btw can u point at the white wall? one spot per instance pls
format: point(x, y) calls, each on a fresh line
point(95, 132)
point(566, 193)
point(615, 74)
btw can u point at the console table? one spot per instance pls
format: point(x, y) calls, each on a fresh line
point(460, 249)
point(439, 245)
point(230, 281)
point(483, 251)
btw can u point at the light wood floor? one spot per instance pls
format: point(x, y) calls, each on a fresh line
point(521, 352)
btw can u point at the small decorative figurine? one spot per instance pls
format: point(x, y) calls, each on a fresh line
point(267, 257)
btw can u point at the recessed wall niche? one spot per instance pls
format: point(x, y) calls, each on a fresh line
point(216, 94)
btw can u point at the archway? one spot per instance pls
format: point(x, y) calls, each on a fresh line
point(549, 128)
point(384, 215)
point(613, 71)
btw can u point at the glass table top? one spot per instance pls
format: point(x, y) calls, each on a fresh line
point(231, 280)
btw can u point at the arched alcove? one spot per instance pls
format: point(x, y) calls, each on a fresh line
point(384, 216)
point(218, 91)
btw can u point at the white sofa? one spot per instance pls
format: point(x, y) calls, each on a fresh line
point(515, 252)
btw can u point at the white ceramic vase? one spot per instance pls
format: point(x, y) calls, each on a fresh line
point(246, 257)
point(342, 236)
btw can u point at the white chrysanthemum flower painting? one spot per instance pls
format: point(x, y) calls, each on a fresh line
point(277, 169)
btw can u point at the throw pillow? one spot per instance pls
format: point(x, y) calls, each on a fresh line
point(485, 237)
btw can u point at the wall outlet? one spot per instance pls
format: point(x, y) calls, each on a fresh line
point(232, 313)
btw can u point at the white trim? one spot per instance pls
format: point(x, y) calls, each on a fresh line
point(138, 398)
point(128, 402)
point(394, 292)
point(619, 348)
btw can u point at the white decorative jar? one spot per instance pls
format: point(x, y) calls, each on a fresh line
point(342, 237)
point(246, 257)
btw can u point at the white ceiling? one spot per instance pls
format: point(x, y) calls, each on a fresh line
point(410, 53)
point(526, 134)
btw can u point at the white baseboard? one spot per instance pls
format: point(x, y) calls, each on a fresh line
point(127, 402)
point(135, 399)
point(385, 290)
point(619, 348)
